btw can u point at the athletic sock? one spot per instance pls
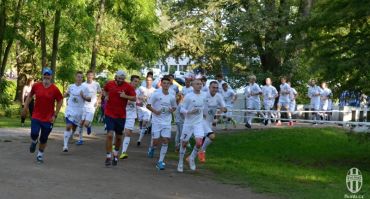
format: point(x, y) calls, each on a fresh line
point(115, 152)
point(125, 143)
point(67, 135)
point(40, 153)
point(80, 135)
point(182, 154)
point(194, 153)
point(163, 152)
point(142, 132)
point(206, 142)
point(109, 155)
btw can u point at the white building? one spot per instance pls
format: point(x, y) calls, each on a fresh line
point(171, 64)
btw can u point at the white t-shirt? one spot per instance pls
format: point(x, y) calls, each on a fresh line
point(292, 95)
point(75, 102)
point(193, 101)
point(314, 93)
point(174, 88)
point(252, 89)
point(205, 89)
point(162, 103)
point(284, 96)
point(228, 96)
point(145, 93)
point(93, 88)
point(131, 111)
point(220, 85)
point(269, 93)
point(211, 105)
point(186, 90)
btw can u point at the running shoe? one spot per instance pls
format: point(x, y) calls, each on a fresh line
point(88, 130)
point(248, 125)
point(108, 162)
point(65, 149)
point(278, 123)
point(115, 161)
point(123, 156)
point(40, 159)
point(33, 147)
point(202, 156)
point(233, 122)
point(266, 122)
point(138, 143)
point(151, 152)
point(79, 142)
point(161, 165)
point(290, 123)
point(180, 168)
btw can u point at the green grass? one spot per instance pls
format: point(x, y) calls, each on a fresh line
point(291, 163)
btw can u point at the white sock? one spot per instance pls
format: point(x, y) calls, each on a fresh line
point(182, 154)
point(109, 155)
point(80, 133)
point(125, 143)
point(163, 152)
point(142, 132)
point(207, 142)
point(80, 129)
point(194, 153)
point(67, 135)
point(115, 152)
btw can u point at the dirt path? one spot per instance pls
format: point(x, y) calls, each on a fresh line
point(81, 173)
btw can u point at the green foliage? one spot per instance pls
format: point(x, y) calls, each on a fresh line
point(7, 96)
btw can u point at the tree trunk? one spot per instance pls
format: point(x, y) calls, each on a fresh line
point(54, 52)
point(2, 31)
point(11, 39)
point(97, 34)
point(43, 44)
point(305, 7)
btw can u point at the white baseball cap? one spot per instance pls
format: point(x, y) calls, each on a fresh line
point(121, 73)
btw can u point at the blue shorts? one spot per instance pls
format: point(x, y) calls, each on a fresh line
point(115, 124)
point(45, 127)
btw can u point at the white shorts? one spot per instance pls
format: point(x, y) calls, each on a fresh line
point(161, 130)
point(315, 106)
point(88, 114)
point(130, 123)
point(75, 118)
point(192, 129)
point(207, 127)
point(268, 105)
point(254, 105)
point(143, 114)
point(284, 104)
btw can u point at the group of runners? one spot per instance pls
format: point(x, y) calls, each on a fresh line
point(195, 109)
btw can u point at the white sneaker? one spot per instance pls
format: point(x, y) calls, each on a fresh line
point(65, 149)
point(192, 164)
point(180, 168)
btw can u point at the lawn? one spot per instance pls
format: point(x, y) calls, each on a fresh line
point(291, 163)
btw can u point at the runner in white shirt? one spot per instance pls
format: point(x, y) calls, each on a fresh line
point(131, 115)
point(187, 88)
point(284, 101)
point(77, 95)
point(143, 113)
point(214, 100)
point(162, 105)
point(269, 94)
point(293, 95)
point(89, 107)
point(253, 92)
point(314, 93)
point(193, 110)
point(179, 119)
point(229, 98)
point(326, 102)
point(204, 82)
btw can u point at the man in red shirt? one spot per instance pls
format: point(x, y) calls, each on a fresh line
point(44, 114)
point(116, 92)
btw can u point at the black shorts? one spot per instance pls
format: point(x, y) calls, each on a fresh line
point(115, 124)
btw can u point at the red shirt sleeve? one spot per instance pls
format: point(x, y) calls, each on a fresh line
point(130, 91)
point(57, 94)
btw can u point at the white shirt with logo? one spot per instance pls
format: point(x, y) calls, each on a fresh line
point(75, 102)
point(314, 93)
point(211, 105)
point(163, 103)
point(284, 94)
point(228, 96)
point(185, 90)
point(196, 102)
point(269, 93)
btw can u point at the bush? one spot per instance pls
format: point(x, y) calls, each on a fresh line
point(6, 97)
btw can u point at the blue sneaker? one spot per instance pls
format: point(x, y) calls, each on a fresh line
point(80, 142)
point(88, 130)
point(151, 152)
point(160, 165)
